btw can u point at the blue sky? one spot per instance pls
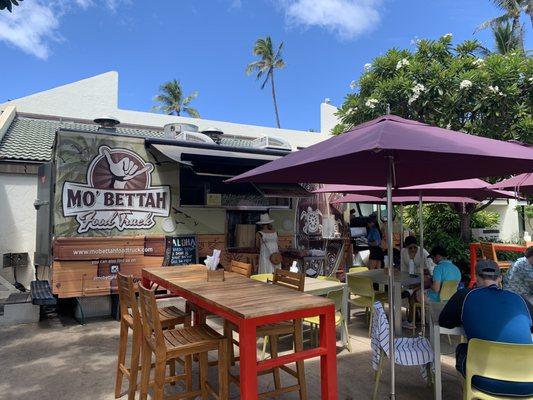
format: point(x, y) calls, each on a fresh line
point(207, 44)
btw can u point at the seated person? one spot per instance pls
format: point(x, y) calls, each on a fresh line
point(411, 252)
point(490, 313)
point(519, 278)
point(444, 271)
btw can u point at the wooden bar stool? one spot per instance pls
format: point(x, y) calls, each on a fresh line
point(130, 318)
point(271, 334)
point(167, 345)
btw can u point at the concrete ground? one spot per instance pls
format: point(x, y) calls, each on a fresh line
point(58, 359)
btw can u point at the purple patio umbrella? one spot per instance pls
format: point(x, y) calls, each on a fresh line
point(521, 184)
point(358, 198)
point(397, 152)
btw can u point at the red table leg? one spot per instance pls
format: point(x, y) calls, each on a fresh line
point(328, 362)
point(248, 360)
point(145, 281)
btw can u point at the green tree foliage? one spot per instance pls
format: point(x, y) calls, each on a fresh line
point(269, 60)
point(9, 4)
point(442, 226)
point(450, 87)
point(172, 100)
point(505, 39)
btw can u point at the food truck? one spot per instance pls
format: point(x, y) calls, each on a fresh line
point(110, 202)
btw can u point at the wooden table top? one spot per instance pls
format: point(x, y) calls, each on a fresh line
point(238, 295)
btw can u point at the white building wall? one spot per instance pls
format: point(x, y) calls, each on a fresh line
point(508, 219)
point(18, 222)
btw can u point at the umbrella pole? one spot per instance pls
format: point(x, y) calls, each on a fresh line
point(401, 229)
point(422, 263)
point(390, 266)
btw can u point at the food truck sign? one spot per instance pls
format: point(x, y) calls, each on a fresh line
point(118, 193)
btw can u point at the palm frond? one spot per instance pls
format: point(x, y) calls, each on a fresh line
point(493, 22)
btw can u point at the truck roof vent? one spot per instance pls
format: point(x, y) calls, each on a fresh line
point(107, 123)
point(272, 143)
point(214, 133)
point(194, 137)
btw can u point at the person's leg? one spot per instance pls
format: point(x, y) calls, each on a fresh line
point(460, 358)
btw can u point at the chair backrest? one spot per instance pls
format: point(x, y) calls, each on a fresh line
point(379, 340)
point(150, 314)
point(488, 251)
point(447, 290)
point(357, 269)
point(360, 285)
point(502, 361)
point(337, 297)
point(328, 278)
point(262, 277)
point(293, 280)
point(241, 268)
point(127, 297)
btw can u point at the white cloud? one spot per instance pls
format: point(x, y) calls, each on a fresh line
point(30, 28)
point(34, 26)
point(346, 18)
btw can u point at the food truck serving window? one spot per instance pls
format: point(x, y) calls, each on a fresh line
point(207, 190)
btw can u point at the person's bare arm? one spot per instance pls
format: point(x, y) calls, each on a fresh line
point(258, 241)
point(435, 286)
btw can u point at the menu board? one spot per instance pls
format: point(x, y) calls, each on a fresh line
point(181, 250)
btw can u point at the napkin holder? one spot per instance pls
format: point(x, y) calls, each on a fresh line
point(216, 275)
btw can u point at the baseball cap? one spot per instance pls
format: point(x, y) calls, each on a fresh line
point(438, 251)
point(487, 268)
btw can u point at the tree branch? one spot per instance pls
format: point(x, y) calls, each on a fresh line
point(482, 207)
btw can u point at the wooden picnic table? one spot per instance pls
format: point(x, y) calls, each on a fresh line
point(248, 304)
point(474, 247)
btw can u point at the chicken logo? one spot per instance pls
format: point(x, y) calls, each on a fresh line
point(118, 193)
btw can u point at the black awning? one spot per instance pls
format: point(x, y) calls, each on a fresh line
point(221, 161)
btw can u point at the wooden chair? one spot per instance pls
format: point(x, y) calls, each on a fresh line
point(364, 296)
point(270, 334)
point(488, 251)
point(169, 345)
point(494, 360)
point(241, 268)
point(130, 318)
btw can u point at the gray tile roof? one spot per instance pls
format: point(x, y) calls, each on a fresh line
point(31, 139)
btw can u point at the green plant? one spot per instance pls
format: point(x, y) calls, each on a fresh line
point(442, 227)
point(9, 4)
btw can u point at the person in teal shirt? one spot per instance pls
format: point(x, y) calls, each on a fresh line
point(444, 271)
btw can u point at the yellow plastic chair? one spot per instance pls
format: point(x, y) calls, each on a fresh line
point(328, 278)
point(494, 360)
point(447, 290)
point(336, 296)
point(364, 295)
point(262, 277)
point(357, 269)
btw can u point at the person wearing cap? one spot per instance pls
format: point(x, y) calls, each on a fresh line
point(488, 312)
point(444, 271)
point(266, 241)
point(411, 259)
point(519, 278)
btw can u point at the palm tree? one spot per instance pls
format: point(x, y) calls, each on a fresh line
point(512, 10)
point(505, 38)
point(265, 66)
point(173, 101)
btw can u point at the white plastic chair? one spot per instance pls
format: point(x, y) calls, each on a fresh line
point(408, 350)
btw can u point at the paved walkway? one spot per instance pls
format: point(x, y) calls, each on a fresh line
point(58, 359)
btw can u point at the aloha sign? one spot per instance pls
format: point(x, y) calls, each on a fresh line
point(118, 193)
